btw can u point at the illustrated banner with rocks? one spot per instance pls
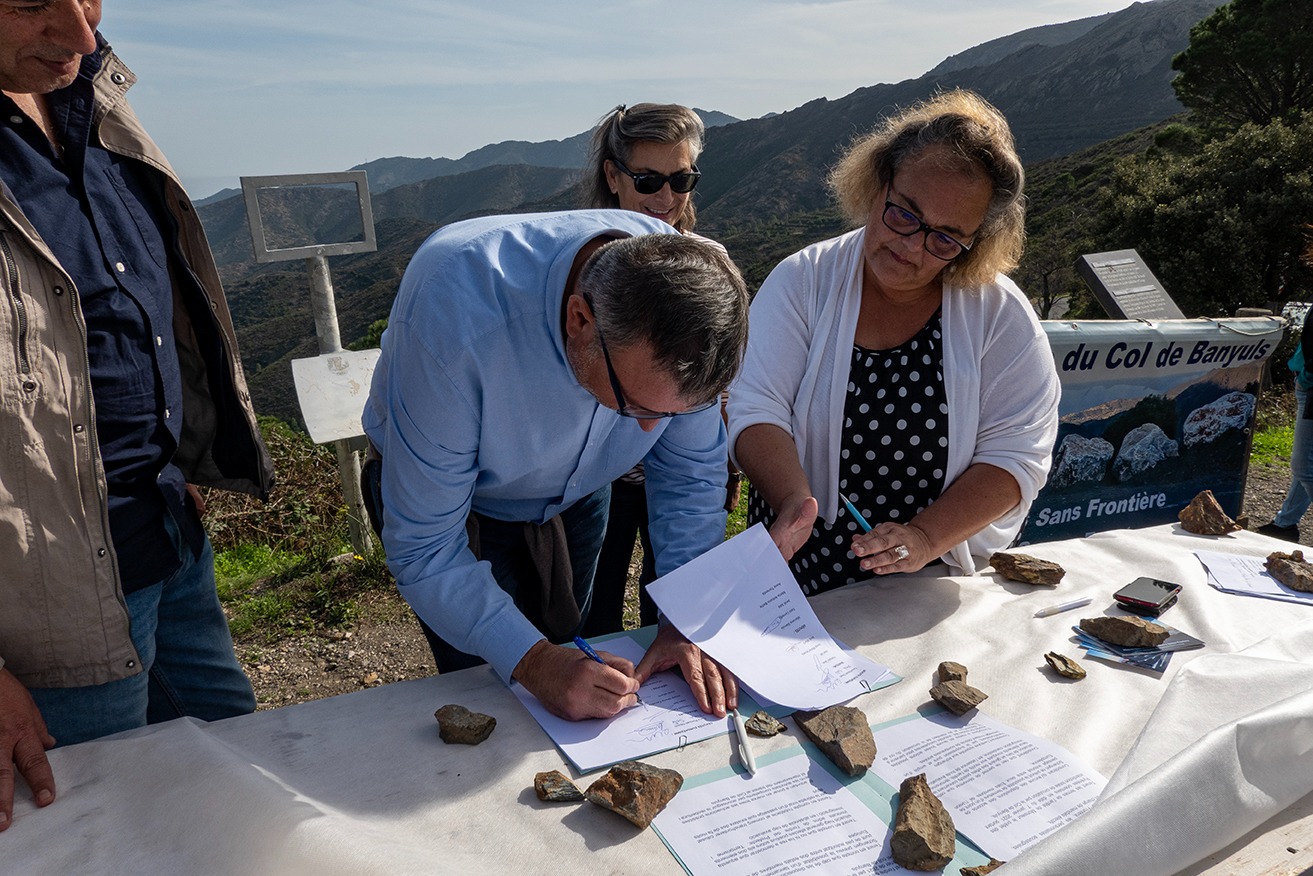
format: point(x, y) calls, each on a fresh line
point(1151, 414)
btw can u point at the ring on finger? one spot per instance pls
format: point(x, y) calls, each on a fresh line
point(900, 551)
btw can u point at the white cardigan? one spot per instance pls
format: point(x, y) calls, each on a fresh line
point(999, 378)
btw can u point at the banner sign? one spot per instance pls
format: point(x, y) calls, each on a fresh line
point(1151, 414)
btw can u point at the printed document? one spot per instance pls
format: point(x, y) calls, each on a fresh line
point(740, 603)
point(795, 815)
point(1246, 576)
point(667, 718)
point(1005, 789)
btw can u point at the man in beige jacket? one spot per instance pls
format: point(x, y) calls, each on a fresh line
point(120, 389)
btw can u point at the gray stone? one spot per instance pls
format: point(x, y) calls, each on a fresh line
point(762, 724)
point(554, 787)
point(1204, 516)
point(1143, 448)
point(1027, 569)
point(957, 696)
point(458, 725)
point(635, 790)
point(924, 836)
point(1291, 570)
point(843, 733)
point(1129, 632)
point(1064, 665)
point(950, 671)
point(1079, 459)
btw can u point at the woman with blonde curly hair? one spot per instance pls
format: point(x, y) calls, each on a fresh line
point(896, 366)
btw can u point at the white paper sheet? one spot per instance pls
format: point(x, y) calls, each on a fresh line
point(793, 816)
point(740, 603)
point(667, 718)
point(1005, 789)
point(1246, 576)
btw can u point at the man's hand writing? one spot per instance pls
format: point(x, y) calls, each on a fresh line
point(574, 686)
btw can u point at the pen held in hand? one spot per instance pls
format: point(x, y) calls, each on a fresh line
point(1064, 606)
point(595, 657)
point(861, 521)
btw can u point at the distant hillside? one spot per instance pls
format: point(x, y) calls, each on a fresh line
point(1066, 90)
point(997, 50)
point(388, 173)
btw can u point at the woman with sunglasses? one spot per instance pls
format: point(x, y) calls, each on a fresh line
point(644, 159)
point(895, 368)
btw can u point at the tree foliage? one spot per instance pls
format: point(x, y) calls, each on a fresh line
point(1220, 222)
point(1250, 61)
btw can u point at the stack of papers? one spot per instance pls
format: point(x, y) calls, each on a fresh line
point(1247, 577)
point(1155, 659)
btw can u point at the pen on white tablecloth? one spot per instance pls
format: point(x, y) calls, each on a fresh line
point(745, 753)
point(597, 658)
point(857, 515)
point(1063, 606)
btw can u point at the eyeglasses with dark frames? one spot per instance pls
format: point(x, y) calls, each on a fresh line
point(623, 407)
point(650, 183)
point(901, 220)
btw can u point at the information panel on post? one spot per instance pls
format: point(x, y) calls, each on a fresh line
point(1125, 286)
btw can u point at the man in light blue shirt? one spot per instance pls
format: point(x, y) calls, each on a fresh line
point(528, 362)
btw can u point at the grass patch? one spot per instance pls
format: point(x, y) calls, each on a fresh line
point(270, 595)
point(1272, 445)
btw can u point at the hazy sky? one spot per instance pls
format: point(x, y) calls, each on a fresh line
point(232, 88)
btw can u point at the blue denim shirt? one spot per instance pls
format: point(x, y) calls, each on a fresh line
point(101, 218)
point(474, 405)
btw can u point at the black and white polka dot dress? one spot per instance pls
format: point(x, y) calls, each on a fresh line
point(892, 453)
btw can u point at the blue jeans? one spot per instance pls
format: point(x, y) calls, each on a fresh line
point(188, 664)
point(1300, 494)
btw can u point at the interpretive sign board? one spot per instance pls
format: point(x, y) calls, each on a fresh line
point(1125, 286)
point(1150, 415)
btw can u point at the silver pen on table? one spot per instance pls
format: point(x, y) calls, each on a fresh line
point(745, 753)
point(1063, 606)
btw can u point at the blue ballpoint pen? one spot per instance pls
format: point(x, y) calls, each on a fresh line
point(861, 521)
point(588, 649)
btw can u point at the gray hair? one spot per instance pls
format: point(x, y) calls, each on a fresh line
point(682, 296)
point(618, 131)
point(979, 141)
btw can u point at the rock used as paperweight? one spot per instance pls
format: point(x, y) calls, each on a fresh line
point(636, 790)
point(1129, 632)
point(762, 724)
point(923, 830)
point(1204, 516)
point(1026, 569)
point(457, 725)
point(950, 671)
point(843, 733)
point(983, 869)
point(957, 696)
point(1291, 570)
point(1064, 665)
point(554, 787)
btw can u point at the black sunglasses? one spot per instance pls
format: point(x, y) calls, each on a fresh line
point(623, 408)
point(650, 183)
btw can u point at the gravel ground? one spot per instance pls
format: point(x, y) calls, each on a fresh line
point(386, 644)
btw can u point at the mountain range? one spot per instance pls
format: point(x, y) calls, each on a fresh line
point(1065, 88)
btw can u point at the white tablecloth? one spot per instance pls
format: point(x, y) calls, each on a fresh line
point(362, 784)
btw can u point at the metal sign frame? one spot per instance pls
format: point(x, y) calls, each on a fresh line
point(264, 255)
